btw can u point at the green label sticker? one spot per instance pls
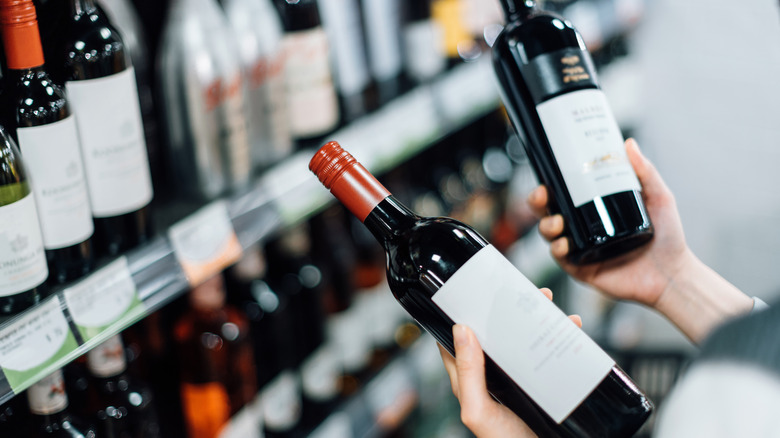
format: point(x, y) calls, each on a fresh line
point(32, 345)
point(106, 301)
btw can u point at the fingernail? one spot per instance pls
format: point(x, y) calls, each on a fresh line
point(460, 335)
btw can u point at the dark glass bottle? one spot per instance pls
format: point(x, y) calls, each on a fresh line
point(216, 363)
point(312, 103)
point(423, 46)
point(23, 269)
point(102, 88)
point(124, 406)
point(38, 115)
point(382, 20)
point(538, 363)
point(572, 140)
point(50, 415)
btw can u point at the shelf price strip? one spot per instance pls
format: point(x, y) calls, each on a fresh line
point(34, 344)
point(105, 302)
point(205, 243)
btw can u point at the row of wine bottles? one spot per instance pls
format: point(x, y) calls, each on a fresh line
point(238, 83)
point(85, 186)
point(301, 324)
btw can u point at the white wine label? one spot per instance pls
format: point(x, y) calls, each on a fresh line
point(311, 97)
point(423, 49)
point(341, 19)
point(34, 342)
point(48, 396)
point(588, 145)
point(382, 18)
point(391, 394)
point(113, 144)
point(108, 358)
point(22, 259)
point(53, 157)
point(527, 336)
point(108, 297)
point(205, 242)
point(320, 373)
point(281, 402)
point(347, 332)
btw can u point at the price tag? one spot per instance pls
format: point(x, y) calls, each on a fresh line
point(205, 243)
point(337, 425)
point(107, 299)
point(392, 396)
point(33, 344)
point(296, 191)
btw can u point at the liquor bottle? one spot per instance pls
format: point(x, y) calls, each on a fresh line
point(312, 104)
point(343, 24)
point(459, 44)
point(423, 42)
point(101, 87)
point(23, 269)
point(553, 98)
point(382, 20)
point(124, 407)
point(50, 415)
point(216, 363)
point(275, 342)
point(203, 101)
point(538, 363)
point(259, 34)
point(39, 117)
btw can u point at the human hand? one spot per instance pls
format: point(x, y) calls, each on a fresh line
point(485, 417)
point(643, 274)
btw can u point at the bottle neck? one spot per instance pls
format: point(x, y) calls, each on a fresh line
point(21, 40)
point(388, 219)
point(518, 10)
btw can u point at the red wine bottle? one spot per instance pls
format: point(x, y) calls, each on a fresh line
point(574, 144)
point(38, 115)
point(23, 269)
point(538, 363)
point(101, 85)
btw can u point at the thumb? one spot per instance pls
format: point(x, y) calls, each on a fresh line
point(653, 185)
point(475, 403)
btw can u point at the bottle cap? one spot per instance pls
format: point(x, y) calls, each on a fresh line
point(347, 179)
point(22, 39)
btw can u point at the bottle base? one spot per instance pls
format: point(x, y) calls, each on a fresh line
point(612, 247)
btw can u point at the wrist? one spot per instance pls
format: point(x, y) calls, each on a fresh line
point(697, 300)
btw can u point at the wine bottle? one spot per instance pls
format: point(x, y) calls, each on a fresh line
point(39, 117)
point(538, 363)
point(216, 363)
point(382, 20)
point(423, 42)
point(23, 269)
point(49, 410)
point(343, 24)
point(459, 44)
point(259, 34)
point(203, 101)
point(101, 86)
point(124, 406)
point(312, 104)
point(553, 98)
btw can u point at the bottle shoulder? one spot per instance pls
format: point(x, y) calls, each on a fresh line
point(92, 40)
point(544, 32)
point(34, 99)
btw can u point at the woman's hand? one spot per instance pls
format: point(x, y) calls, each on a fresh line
point(663, 274)
point(485, 417)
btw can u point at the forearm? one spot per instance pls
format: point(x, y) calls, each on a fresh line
point(697, 300)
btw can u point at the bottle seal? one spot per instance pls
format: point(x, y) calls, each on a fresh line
point(22, 39)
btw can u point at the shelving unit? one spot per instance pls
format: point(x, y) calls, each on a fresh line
point(81, 315)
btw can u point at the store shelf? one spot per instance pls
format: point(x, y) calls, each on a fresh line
point(81, 315)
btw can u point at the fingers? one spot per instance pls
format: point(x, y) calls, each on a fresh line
point(653, 185)
point(551, 227)
point(547, 292)
point(475, 403)
point(449, 365)
point(537, 200)
point(576, 319)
